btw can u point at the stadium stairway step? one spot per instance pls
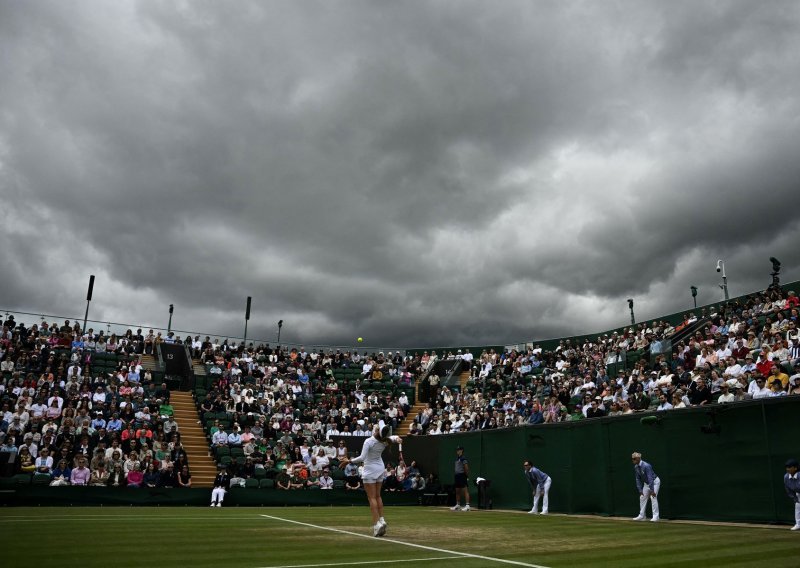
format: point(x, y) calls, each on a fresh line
point(194, 440)
point(463, 379)
point(149, 363)
point(405, 425)
point(198, 368)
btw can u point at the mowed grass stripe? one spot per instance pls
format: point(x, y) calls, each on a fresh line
point(208, 540)
point(671, 547)
point(239, 537)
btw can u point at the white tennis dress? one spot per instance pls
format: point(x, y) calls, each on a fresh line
point(374, 468)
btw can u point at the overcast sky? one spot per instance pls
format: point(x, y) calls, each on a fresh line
point(414, 173)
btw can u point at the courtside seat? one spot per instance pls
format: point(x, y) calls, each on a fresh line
point(41, 479)
point(22, 479)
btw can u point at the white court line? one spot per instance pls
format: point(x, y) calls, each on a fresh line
point(411, 544)
point(369, 562)
point(27, 518)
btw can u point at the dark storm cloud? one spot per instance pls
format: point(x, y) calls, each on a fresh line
point(411, 173)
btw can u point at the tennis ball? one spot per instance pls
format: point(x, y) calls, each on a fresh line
point(360, 339)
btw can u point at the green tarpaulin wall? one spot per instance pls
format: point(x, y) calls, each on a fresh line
point(733, 475)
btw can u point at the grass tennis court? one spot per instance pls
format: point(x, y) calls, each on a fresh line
point(436, 537)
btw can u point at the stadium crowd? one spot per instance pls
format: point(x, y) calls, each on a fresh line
point(281, 413)
point(277, 412)
point(746, 349)
point(79, 409)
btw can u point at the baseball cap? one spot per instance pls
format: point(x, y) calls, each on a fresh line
point(792, 463)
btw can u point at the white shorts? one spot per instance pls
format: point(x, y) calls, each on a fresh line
point(368, 478)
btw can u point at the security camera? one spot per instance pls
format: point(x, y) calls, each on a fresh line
point(719, 266)
point(719, 269)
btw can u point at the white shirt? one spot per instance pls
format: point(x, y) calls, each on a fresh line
point(723, 354)
point(763, 392)
point(734, 370)
point(370, 456)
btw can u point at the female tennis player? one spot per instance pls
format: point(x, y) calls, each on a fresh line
point(374, 472)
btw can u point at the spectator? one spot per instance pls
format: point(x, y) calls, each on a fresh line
point(760, 390)
point(325, 480)
point(699, 394)
point(220, 437)
point(117, 477)
point(136, 478)
point(81, 474)
point(100, 475)
point(61, 474)
point(283, 480)
point(184, 477)
point(726, 397)
point(44, 463)
point(151, 476)
point(25, 461)
point(168, 477)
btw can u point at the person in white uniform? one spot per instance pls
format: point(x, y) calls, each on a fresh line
point(374, 472)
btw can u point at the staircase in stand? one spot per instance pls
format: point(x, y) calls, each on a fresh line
point(193, 437)
point(198, 368)
point(405, 425)
point(149, 363)
point(463, 379)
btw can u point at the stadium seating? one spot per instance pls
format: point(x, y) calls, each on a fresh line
point(568, 379)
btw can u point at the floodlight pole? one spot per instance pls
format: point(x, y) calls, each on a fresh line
point(246, 319)
point(88, 301)
point(724, 285)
